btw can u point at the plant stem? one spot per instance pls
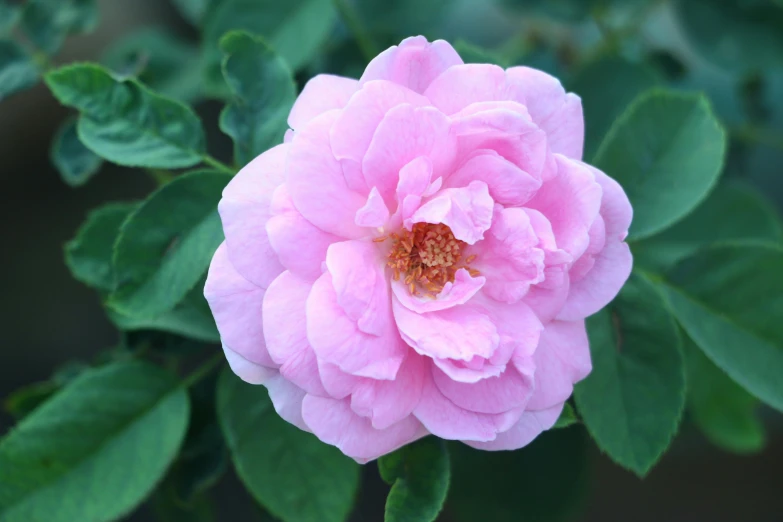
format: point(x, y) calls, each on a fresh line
point(204, 370)
point(354, 23)
point(215, 164)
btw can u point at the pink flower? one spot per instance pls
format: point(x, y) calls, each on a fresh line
point(420, 254)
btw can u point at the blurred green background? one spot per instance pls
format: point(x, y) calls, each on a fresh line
point(48, 318)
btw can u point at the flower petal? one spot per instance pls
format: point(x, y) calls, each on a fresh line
point(374, 213)
point(528, 427)
point(236, 304)
point(245, 208)
point(247, 371)
point(461, 85)
point(459, 292)
point(334, 422)
point(508, 184)
point(508, 391)
point(321, 93)
point(414, 63)
point(287, 399)
point(466, 211)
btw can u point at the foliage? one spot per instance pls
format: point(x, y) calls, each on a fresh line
point(694, 336)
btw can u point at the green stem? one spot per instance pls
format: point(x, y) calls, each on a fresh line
point(759, 135)
point(204, 370)
point(354, 23)
point(215, 164)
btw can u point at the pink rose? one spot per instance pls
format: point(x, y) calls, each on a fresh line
point(420, 254)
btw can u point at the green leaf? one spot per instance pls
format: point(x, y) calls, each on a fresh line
point(194, 10)
point(607, 86)
point(47, 22)
point(296, 29)
point(17, 70)
point(734, 210)
point(89, 254)
point(728, 299)
point(264, 92)
point(734, 34)
point(567, 418)
point(124, 122)
point(545, 481)
point(633, 400)
point(96, 449)
point(419, 476)
point(166, 244)
point(296, 477)
point(168, 508)
point(471, 53)
point(159, 60)
point(9, 16)
point(666, 151)
point(75, 162)
point(723, 410)
point(24, 400)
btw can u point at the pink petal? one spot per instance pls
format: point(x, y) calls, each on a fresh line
point(285, 329)
point(570, 202)
point(459, 292)
point(336, 382)
point(461, 85)
point(316, 182)
point(615, 207)
point(546, 299)
point(585, 263)
point(466, 211)
point(335, 423)
point(405, 133)
point(558, 113)
point(244, 210)
point(247, 371)
point(529, 426)
point(508, 184)
point(414, 63)
point(236, 304)
point(300, 246)
point(445, 419)
point(562, 359)
point(374, 213)
point(321, 93)
point(508, 391)
point(287, 399)
point(415, 181)
point(337, 339)
point(387, 402)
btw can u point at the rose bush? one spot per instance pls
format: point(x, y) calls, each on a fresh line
point(420, 254)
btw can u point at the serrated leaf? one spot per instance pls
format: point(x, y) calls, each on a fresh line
point(419, 475)
point(296, 477)
point(721, 408)
point(733, 211)
point(264, 92)
point(633, 400)
point(124, 122)
point(296, 29)
point(18, 71)
point(89, 254)
point(75, 162)
point(607, 86)
point(667, 152)
point(545, 481)
point(47, 22)
point(166, 244)
point(163, 62)
point(96, 449)
point(728, 299)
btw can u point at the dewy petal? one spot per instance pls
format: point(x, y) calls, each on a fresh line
point(300, 246)
point(334, 422)
point(247, 371)
point(445, 419)
point(453, 294)
point(388, 402)
point(561, 359)
point(285, 329)
point(245, 208)
point(508, 184)
point(528, 427)
point(508, 391)
point(612, 265)
point(316, 182)
point(236, 304)
point(405, 133)
point(336, 338)
point(414, 63)
point(466, 211)
point(321, 93)
point(570, 202)
point(557, 112)
point(374, 213)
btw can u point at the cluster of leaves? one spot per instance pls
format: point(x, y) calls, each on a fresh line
point(693, 330)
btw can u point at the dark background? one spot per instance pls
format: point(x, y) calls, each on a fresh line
point(48, 318)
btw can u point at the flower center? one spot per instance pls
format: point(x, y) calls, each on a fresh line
point(427, 257)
